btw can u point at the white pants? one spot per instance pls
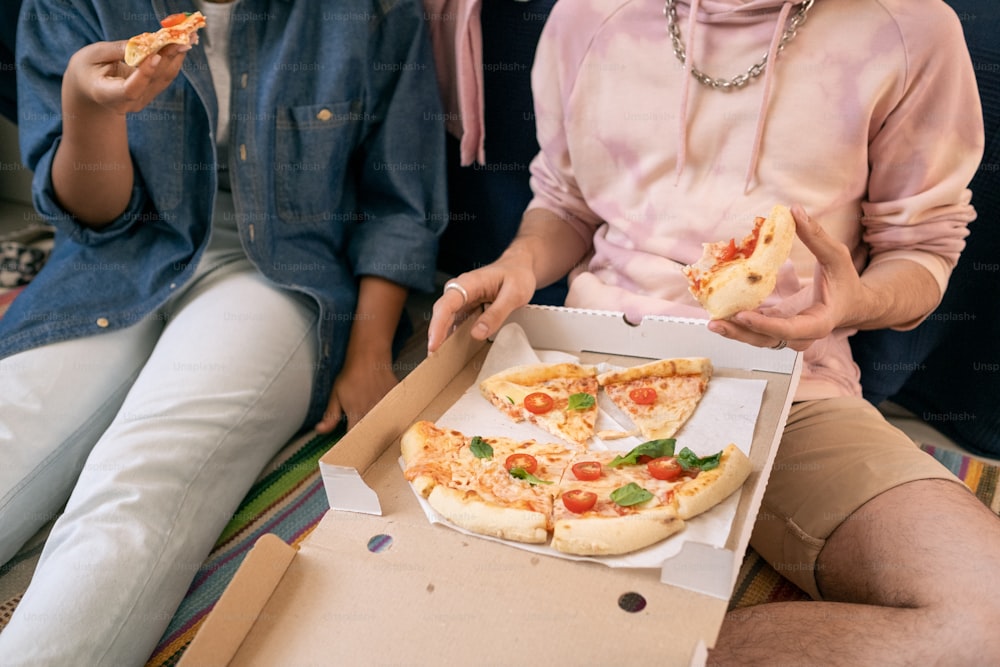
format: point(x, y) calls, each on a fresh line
point(153, 434)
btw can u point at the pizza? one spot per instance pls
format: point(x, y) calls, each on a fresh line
point(658, 396)
point(560, 398)
point(580, 502)
point(179, 28)
point(731, 277)
point(469, 480)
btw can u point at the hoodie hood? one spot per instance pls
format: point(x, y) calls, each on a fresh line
point(691, 13)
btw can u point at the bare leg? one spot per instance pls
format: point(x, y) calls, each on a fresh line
point(911, 578)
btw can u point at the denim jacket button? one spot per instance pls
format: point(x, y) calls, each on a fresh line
point(103, 322)
point(324, 115)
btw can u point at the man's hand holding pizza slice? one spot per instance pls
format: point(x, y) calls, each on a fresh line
point(882, 295)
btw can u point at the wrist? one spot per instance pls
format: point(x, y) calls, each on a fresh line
point(866, 307)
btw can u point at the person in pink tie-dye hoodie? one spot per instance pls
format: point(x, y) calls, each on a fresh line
point(666, 125)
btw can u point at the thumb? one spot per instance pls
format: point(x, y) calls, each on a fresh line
point(827, 250)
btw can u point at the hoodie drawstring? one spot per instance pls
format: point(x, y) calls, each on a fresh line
point(772, 55)
point(685, 93)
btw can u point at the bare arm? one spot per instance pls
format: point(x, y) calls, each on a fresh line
point(544, 250)
point(367, 374)
point(92, 169)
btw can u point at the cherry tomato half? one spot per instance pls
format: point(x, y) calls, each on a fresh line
point(578, 500)
point(666, 468)
point(526, 462)
point(729, 252)
point(538, 403)
point(643, 395)
point(587, 471)
point(173, 19)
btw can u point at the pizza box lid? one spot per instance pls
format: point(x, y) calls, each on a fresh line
point(368, 588)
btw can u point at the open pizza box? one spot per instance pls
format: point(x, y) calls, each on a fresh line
point(376, 582)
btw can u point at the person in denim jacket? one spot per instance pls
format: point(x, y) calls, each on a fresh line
point(238, 225)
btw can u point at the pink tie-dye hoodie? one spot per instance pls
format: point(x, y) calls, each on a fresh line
point(869, 118)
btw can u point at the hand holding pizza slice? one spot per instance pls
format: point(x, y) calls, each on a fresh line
point(176, 29)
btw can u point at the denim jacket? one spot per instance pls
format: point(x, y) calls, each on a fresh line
point(336, 164)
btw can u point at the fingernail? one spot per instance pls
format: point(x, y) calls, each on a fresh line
point(481, 330)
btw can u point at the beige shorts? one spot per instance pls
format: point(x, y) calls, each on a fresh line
point(835, 455)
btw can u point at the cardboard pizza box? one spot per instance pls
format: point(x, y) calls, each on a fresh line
point(393, 588)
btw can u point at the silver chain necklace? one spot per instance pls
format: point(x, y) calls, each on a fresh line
point(754, 71)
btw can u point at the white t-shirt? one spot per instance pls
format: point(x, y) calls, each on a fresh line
point(214, 39)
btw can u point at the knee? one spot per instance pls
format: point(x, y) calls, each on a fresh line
point(965, 623)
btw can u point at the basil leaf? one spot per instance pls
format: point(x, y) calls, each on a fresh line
point(521, 473)
point(581, 401)
point(480, 448)
point(510, 400)
point(652, 448)
point(689, 460)
point(630, 494)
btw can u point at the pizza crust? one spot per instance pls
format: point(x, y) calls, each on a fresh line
point(471, 513)
point(742, 283)
point(700, 366)
point(537, 373)
point(711, 487)
point(609, 536)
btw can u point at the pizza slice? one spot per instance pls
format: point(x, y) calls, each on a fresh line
point(179, 28)
point(659, 396)
point(560, 398)
point(611, 503)
point(602, 510)
point(488, 485)
point(731, 277)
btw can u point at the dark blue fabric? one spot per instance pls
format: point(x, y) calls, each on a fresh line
point(947, 370)
point(487, 201)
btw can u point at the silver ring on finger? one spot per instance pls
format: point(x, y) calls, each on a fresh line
point(458, 288)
